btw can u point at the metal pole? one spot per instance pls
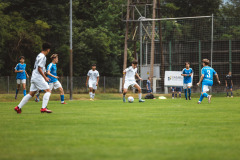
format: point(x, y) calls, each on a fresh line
point(104, 84)
point(153, 40)
point(141, 50)
point(71, 56)
point(212, 43)
point(170, 56)
point(126, 42)
point(8, 85)
point(146, 52)
point(230, 55)
point(199, 58)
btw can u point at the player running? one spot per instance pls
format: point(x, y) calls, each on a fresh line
point(52, 75)
point(22, 75)
point(229, 83)
point(187, 80)
point(38, 81)
point(130, 74)
point(207, 80)
point(92, 81)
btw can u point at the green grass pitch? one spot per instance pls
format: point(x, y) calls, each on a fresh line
point(111, 130)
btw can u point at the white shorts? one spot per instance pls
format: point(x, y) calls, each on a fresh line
point(39, 85)
point(205, 88)
point(21, 81)
point(186, 85)
point(129, 83)
point(55, 85)
point(92, 85)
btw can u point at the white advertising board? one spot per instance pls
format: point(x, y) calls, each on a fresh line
point(173, 78)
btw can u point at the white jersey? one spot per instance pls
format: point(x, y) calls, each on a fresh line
point(93, 75)
point(39, 62)
point(130, 73)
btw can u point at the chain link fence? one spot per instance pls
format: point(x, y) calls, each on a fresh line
point(106, 84)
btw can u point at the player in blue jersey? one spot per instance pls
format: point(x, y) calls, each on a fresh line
point(52, 75)
point(149, 89)
point(187, 80)
point(22, 75)
point(207, 80)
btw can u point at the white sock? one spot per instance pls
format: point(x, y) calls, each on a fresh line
point(46, 97)
point(139, 95)
point(93, 95)
point(90, 94)
point(24, 100)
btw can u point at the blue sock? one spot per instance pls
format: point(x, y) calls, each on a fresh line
point(62, 98)
point(185, 91)
point(205, 94)
point(189, 92)
point(16, 91)
point(24, 92)
point(201, 98)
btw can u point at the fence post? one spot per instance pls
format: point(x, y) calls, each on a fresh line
point(230, 55)
point(8, 85)
point(199, 58)
point(120, 86)
point(170, 55)
point(104, 83)
point(67, 83)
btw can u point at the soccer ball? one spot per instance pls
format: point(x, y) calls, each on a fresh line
point(130, 99)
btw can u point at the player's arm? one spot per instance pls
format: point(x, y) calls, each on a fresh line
point(87, 80)
point(27, 74)
point(138, 76)
point(232, 83)
point(147, 86)
point(97, 80)
point(201, 78)
point(226, 82)
point(41, 72)
point(49, 73)
point(217, 78)
point(16, 69)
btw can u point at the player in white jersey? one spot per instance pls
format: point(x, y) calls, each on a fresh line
point(38, 81)
point(92, 81)
point(130, 74)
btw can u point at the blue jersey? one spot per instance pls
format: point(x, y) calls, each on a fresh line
point(187, 79)
point(19, 67)
point(208, 73)
point(53, 70)
point(149, 84)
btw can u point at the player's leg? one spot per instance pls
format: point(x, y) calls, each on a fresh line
point(189, 92)
point(175, 93)
point(231, 91)
point(58, 85)
point(227, 90)
point(91, 93)
point(62, 95)
point(24, 87)
point(18, 87)
point(94, 90)
point(205, 89)
point(46, 97)
point(185, 90)
point(139, 92)
point(180, 94)
point(172, 93)
point(33, 90)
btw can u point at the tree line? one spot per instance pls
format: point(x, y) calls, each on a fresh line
point(98, 31)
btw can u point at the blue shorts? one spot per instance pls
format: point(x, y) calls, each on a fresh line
point(149, 91)
point(229, 87)
point(177, 89)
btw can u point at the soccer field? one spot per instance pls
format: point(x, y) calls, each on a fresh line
point(110, 129)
